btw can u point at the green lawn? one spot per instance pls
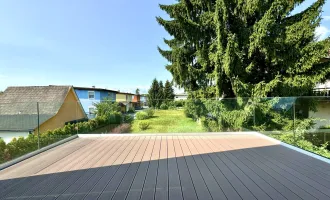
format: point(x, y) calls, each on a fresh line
point(169, 121)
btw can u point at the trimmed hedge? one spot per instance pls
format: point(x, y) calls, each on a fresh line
point(20, 146)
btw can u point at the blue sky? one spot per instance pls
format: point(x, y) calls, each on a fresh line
point(105, 43)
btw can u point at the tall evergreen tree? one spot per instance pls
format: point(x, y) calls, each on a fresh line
point(236, 48)
point(160, 95)
point(137, 91)
point(168, 91)
point(153, 94)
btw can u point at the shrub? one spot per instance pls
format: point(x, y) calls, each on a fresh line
point(210, 124)
point(144, 125)
point(128, 119)
point(150, 112)
point(164, 106)
point(123, 128)
point(141, 116)
point(131, 110)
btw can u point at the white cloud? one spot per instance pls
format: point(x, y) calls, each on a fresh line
point(321, 32)
point(326, 18)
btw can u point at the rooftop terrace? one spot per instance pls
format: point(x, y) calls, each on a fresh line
point(168, 167)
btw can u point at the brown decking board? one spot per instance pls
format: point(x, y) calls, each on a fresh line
point(168, 167)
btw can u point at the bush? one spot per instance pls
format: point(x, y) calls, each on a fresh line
point(128, 119)
point(150, 112)
point(123, 128)
point(131, 110)
point(164, 106)
point(179, 103)
point(144, 125)
point(211, 125)
point(141, 116)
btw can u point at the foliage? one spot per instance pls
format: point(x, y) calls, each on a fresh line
point(211, 125)
point(325, 127)
point(300, 142)
point(131, 110)
point(150, 112)
point(137, 91)
point(122, 128)
point(179, 103)
point(168, 92)
point(153, 94)
point(128, 119)
point(160, 94)
point(141, 116)
point(144, 125)
point(164, 106)
point(234, 49)
point(195, 109)
point(107, 113)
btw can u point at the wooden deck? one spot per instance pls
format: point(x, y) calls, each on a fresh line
point(168, 167)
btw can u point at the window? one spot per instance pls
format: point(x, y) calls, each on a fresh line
point(91, 110)
point(91, 95)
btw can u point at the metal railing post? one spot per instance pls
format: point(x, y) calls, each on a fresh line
point(294, 121)
point(38, 125)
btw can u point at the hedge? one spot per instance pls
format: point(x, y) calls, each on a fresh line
point(20, 146)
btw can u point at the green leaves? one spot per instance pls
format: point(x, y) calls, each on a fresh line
point(238, 46)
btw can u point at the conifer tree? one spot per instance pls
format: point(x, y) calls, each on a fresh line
point(160, 96)
point(153, 94)
point(168, 91)
point(236, 48)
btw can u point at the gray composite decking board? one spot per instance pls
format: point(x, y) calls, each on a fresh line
point(161, 191)
point(100, 185)
point(244, 178)
point(278, 177)
point(263, 185)
point(285, 164)
point(310, 172)
point(86, 188)
point(115, 181)
point(222, 181)
point(201, 188)
point(170, 167)
point(212, 185)
point(136, 188)
point(302, 159)
point(233, 179)
point(148, 191)
point(80, 181)
point(309, 185)
point(125, 185)
point(301, 185)
point(54, 179)
point(86, 176)
point(187, 185)
point(174, 183)
point(24, 181)
point(273, 182)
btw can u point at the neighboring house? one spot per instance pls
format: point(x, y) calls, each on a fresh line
point(137, 101)
point(125, 100)
point(144, 99)
point(89, 96)
point(58, 105)
point(182, 96)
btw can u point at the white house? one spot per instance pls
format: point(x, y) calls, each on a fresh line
point(181, 96)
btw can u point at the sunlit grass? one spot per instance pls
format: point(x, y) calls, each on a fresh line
point(169, 121)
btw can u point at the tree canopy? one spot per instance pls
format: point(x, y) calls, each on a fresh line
point(236, 48)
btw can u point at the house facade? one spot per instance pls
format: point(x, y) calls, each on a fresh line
point(182, 96)
point(125, 100)
point(89, 96)
point(21, 107)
